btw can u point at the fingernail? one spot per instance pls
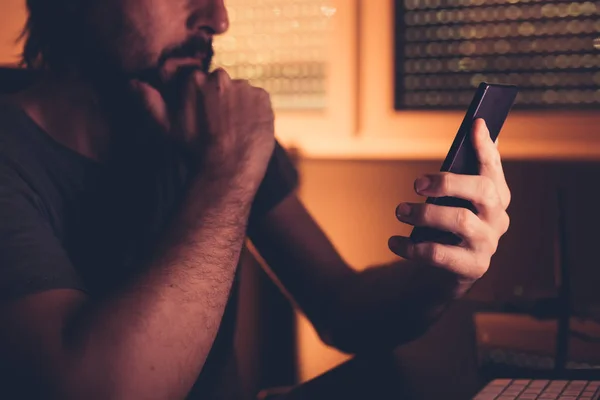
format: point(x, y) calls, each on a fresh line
point(422, 184)
point(398, 245)
point(403, 210)
point(395, 242)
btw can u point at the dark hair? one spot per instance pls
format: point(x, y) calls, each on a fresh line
point(48, 35)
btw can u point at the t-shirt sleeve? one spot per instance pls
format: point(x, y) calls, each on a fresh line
point(280, 180)
point(32, 258)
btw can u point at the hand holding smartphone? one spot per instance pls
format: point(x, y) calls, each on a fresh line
point(492, 103)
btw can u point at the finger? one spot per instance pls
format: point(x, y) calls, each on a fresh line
point(173, 66)
point(490, 163)
point(182, 106)
point(200, 79)
point(153, 102)
point(217, 82)
point(479, 190)
point(215, 101)
point(462, 222)
point(214, 90)
point(457, 260)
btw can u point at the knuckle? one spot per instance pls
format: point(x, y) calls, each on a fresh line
point(487, 244)
point(221, 78)
point(435, 254)
point(488, 192)
point(507, 198)
point(422, 213)
point(504, 223)
point(480, 267)
point(444, 182)
point(263, 96)
point(492, 246)
point(240, 86)
point(483, 263)
point(222, 74)
point(465, 222)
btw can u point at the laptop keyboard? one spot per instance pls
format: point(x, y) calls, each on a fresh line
point(527, 389)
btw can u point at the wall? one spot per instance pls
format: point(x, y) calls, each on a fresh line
point(355, 201)
point(11, 22)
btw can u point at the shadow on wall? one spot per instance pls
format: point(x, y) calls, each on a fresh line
point(355, 201)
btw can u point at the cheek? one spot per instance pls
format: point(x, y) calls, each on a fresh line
point(137, 32)
point(159, 25)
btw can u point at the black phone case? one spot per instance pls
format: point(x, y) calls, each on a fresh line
point(492, 102)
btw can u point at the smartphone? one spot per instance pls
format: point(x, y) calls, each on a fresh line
point(492, 102)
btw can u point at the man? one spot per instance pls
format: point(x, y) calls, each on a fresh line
point(129, 179)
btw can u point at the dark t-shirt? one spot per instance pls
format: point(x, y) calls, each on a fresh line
point(70, 222)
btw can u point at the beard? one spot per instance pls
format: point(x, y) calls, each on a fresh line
point(195, 48)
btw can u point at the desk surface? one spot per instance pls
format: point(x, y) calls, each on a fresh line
point(441, 364)
point(382, 378)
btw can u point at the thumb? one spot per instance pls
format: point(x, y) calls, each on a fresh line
point(153, 102)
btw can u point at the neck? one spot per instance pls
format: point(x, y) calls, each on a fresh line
point(69, 109)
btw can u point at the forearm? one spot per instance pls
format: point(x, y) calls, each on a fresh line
point(150, 340)
point(385, 306)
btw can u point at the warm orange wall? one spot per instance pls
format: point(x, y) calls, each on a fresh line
point(12, 18)
point(354, 201)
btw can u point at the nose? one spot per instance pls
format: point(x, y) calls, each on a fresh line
point(210, 16)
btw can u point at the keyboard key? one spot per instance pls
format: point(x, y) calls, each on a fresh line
point(500, 382)
point(533, 391)
point(548, 396)
point(511, 389)
point(559, 383)
point(539, 382)
point(522, 381)
point(492, 389)
point(552, 391)
point(593, 384)
point(525, 389)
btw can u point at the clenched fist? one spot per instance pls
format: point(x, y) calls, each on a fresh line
point(227, 124)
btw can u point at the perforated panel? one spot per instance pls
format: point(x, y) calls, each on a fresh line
point(279, 45)
point(445, 48)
